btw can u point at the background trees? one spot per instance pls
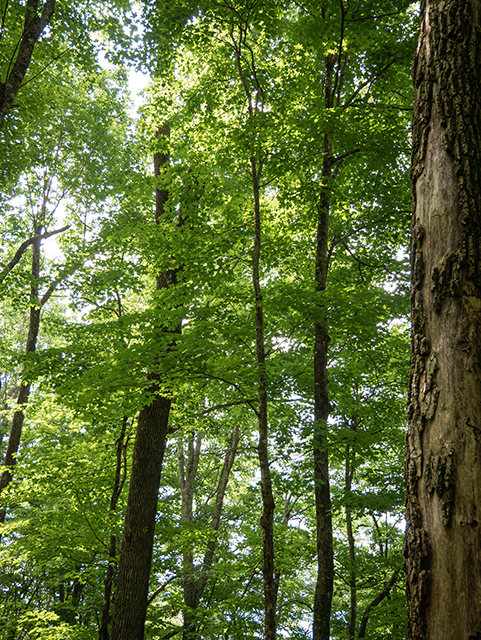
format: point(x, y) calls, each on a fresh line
point(280, 229)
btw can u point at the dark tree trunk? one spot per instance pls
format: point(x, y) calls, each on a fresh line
point(34, 24)
point(119, 481)
point(24, 392)
point(132, 589)
point(131, 595)
point(443, 458)
point(324, 545)
point(270, 577)
point(325, 566)
point(255, 104)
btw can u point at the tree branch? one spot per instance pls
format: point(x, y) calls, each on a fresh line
point(24, 246)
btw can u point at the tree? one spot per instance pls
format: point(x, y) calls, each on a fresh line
point(443, 557)
point(34, 23)
point(288, 125)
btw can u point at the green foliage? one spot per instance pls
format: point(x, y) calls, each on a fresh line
point(107, 328)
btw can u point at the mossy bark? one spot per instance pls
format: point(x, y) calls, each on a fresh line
point(443, 458)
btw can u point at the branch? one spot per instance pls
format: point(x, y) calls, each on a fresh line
point(159, 590)
point(24, 246)
point(377, 600)
point(371, 80)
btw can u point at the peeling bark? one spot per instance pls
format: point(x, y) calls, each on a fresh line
point(443, 456)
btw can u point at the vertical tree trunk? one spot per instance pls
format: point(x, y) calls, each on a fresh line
point(119, 481)
point(270, 577)
point(131, 595)
point(443, 458)
point(325, 562)
point(348, 478)
point(194, 582)
point(30, 347)
point(325, 553)
point(255, 104)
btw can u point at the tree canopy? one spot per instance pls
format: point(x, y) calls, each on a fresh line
point(204, 305)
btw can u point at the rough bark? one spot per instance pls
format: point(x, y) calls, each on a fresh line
point(34, 24)
point(443, 457)
point(131, 595)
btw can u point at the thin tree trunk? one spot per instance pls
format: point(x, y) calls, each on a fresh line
point(348, 478)
point(255, 105)
point(443, 458)
point(194, 582)
point(325, 562)
point(10, 459)
point(187, 476)
point(131, 595)
point(270, 577)
point(119, 481)
point(34, 24)
point(377, 600)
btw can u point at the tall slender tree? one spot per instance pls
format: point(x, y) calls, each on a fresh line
point(135, 560)
point(443, 460)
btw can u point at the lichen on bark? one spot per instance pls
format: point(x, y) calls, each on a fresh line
point(443, 444)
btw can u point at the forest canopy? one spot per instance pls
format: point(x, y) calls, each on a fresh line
point(204, 319)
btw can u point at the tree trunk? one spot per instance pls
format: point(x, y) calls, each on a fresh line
point(194, 582)
point(33, 26)
point(33, 327)
point(348, 478)
point(325, 554)
point(443, 458)
point(270, 577)
point(119, 481)
point(131, 595)
point(325, 567)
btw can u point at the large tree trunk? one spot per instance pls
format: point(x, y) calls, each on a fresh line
point(131, 595)
point(443, 459)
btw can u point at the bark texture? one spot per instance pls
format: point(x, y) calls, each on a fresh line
point(35, 22)
point(131, 595)
point(443, 458)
